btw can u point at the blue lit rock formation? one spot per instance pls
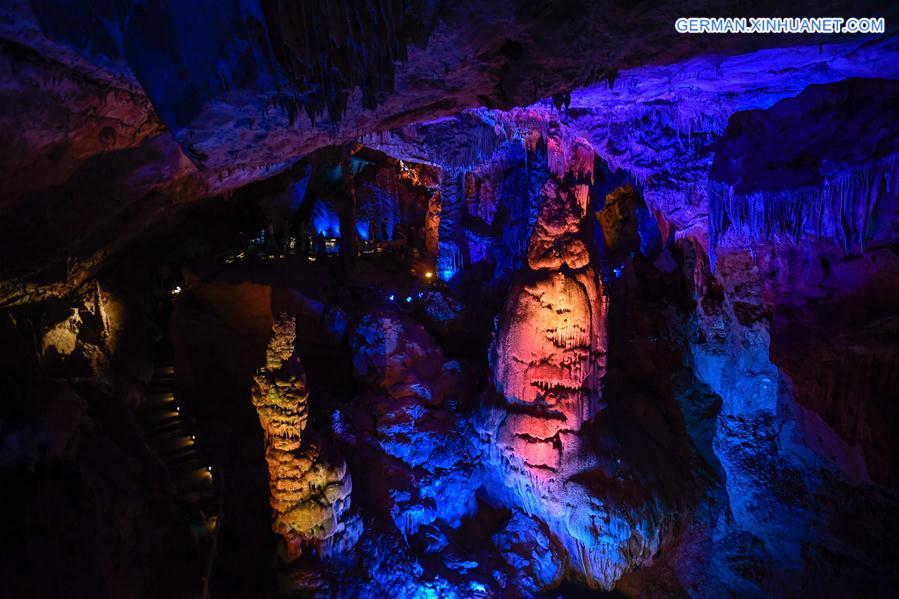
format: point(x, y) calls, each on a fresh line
point(405, 372)
point(835, 181)
point(526, 546)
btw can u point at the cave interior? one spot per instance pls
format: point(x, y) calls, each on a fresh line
point(429, 299)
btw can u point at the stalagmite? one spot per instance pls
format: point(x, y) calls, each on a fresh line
point(310, 496)
point(450, 258)
point(432, 222)
point(549, 362)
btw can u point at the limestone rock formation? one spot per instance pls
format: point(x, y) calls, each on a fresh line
point(619, 223)
point(687, 244)
point(310, 494)
point(556, 240)
point(531, 552)
point(548, 363)
point(550, 347)
point(403, 369)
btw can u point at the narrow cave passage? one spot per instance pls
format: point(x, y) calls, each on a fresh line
point(419, 299)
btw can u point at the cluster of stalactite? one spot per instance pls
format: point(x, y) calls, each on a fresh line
point(331, 48)
point(492, 184)
point(842, 210)
point(310, 496)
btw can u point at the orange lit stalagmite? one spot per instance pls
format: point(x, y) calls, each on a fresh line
point(550, 348)
point(549, 361)
point(310, 496)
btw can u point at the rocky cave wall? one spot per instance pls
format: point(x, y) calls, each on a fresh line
point(784, 477)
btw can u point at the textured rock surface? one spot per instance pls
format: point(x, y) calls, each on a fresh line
point(404, 371)
point(661, 123)
point(548, 364)
point(784, 472)
point(310, 497)
point(687, 245)
point(92, 171)
point(249, 65)
point(837, 181)
point(529, 550)
point(239, 108)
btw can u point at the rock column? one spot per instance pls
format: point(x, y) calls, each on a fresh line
point(310, 496)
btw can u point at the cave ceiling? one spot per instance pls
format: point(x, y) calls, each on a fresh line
point(140, 108)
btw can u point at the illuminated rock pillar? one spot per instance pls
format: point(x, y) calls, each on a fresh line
point(310, 496)
point(551, 344)
point(450, 257)
point(549, 361)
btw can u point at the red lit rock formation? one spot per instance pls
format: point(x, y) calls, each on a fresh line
point(549, 360)
point(550, 346)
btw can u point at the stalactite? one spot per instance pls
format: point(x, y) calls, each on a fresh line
point(478, 141)
point(331, 48)
point(840, 211)
point(376, 202)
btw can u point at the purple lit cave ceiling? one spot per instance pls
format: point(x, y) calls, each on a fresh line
point(430, 299)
